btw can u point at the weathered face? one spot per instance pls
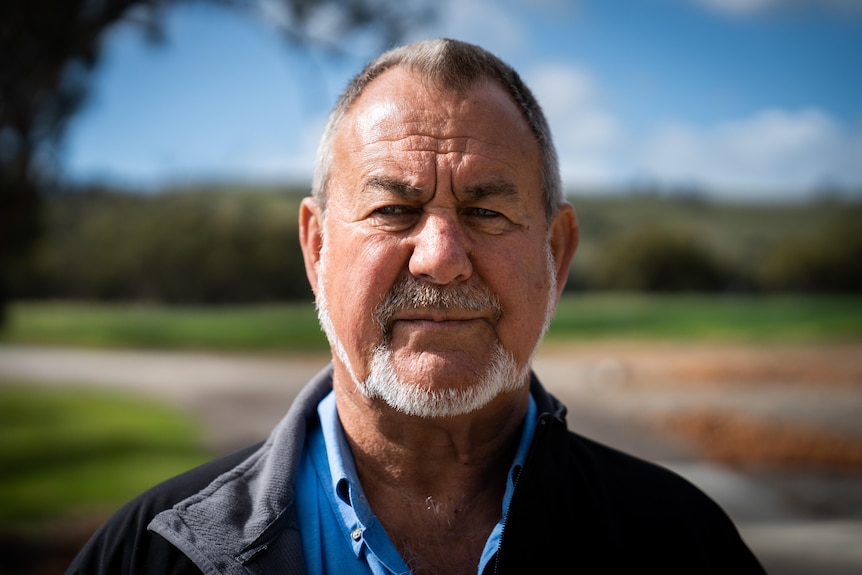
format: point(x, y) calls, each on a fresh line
point(445, 189)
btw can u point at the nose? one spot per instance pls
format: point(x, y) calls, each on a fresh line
point(441, 251)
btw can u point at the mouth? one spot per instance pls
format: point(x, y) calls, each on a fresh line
point(436, 316)
point(412, 300)
point(436, 321)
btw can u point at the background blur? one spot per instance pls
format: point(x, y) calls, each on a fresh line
point(155, 310)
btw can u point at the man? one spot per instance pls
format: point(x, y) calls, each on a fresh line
point(437, 242)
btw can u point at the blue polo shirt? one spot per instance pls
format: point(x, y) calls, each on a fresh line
point(340, 534)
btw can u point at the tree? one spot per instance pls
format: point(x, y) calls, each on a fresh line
point(825, 262)
point(659, 259)
point(48, 49)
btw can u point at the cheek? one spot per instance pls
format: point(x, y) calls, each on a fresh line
point(520, 279)
point(357, 273)
point(520, 269)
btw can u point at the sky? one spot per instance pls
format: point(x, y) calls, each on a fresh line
point(737, 99)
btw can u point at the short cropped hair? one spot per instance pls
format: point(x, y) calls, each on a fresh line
point(451, 65)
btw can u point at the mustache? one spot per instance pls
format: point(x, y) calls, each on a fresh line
point(410, 293)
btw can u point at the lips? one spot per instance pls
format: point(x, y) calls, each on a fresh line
point(438, 331)
point(437, 316)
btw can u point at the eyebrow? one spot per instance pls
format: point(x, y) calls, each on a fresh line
point(496, 188)
point(400, 189)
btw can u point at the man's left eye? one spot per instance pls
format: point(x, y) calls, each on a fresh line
point(392, 210)
point(487, 221)
point(483, 213)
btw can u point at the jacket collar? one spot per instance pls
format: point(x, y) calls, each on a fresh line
point(244, 511)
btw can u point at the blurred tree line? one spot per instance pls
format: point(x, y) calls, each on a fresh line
point(227, 246)
point(49, 48)
point(654, 243)
point(187, 247)
point(663, 259)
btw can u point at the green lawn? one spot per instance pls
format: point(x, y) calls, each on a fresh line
point(243, 328)
point(68, 451)
point(289, 327)
point(741, 319)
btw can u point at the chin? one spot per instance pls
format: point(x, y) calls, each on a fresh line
point(383, 383)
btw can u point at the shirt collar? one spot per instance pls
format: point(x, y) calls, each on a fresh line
point(346, 492)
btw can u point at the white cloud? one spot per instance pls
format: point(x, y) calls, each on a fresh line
point(774, 151)
point(585, 132)
point(741, 6)
point(481, 22)
point(752, 7)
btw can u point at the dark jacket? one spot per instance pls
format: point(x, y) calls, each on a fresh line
point(578, 507)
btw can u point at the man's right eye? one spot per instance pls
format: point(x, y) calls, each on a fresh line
point(394, 217)
point(393, 210)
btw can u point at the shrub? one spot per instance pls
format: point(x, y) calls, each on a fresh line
point(659, 259)
point(195, 247)
point(830, 261)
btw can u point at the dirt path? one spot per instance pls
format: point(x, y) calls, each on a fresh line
point(817, 387)
point(745, 424)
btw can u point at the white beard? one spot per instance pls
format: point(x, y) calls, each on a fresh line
point(502, 374)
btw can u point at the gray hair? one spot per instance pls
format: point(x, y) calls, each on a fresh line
point(451, 65)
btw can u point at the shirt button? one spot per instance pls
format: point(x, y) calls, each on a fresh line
point(356, 534)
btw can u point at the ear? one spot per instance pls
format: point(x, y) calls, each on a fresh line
point(564, 237)
point(311, 238)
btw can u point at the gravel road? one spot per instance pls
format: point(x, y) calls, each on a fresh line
point(797, 522)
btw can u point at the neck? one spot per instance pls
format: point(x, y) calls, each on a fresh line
point(444, 476)
point(426, 455)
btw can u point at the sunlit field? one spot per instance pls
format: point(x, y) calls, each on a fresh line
point(731, 319)
point(65, 452)
point(293, 327)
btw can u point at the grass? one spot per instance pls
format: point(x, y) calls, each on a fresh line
point(293, 327)
point(244, 328)
point(68, 451)
point(741, 319)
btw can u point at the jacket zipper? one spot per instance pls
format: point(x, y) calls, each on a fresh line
point(541, 426)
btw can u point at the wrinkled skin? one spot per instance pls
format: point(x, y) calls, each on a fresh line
point(445, 187)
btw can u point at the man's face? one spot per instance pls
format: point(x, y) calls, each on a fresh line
point(435, 189)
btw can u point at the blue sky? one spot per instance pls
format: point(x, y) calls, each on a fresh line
point(756, 99)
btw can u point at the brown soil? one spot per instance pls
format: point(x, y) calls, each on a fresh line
point(688, 364)
point(744, 441)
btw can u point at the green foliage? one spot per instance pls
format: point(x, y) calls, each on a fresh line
point(291, 328)
point(829, 261)
point(659, 259)
point(253, 327)
point(702, 317)
point(67, 450)
point(196, 246)
point(740, 237)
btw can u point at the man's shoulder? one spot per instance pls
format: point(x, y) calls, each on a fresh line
point(171, 491)
point(622, 512)
point(123, 544)
point(626, 477)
